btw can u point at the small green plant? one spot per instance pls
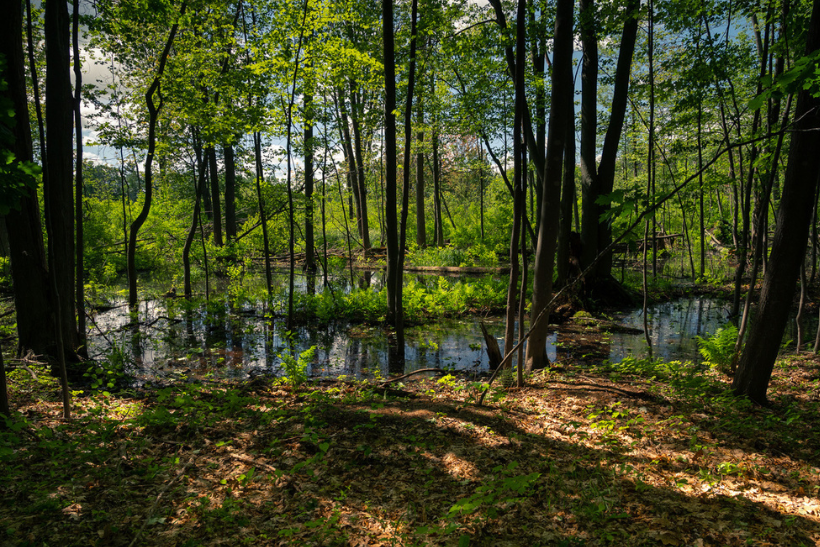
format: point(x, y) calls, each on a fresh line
point(719, 348)
point(449, 380)
point(296, 367)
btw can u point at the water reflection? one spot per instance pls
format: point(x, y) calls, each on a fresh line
point(165, 339)
point(672, 328)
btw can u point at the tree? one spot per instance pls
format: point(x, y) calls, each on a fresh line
point(560, 112)
point(789, 244)
point(154, 109)
point(597, 181)
point(59, 184)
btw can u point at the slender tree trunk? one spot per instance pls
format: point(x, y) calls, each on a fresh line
point(291, 212)
point(153, 115)
point(260, 174)
point(405, 195)
point(359, 179)
point(394, 305)
point(523, 294)
point(78, 195)
point(700, 196)
point(310, 251)
point(438, 225)
point(199, 190)
point(230, 192)
point(210, 154)
point(421, 228)
point(548, 227)
point(567, 201)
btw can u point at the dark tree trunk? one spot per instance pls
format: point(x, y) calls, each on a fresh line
point(78, 189)
point(596, 235)
point(567, 200)
point(28, 271)
point(518, 184)
point(437, 224)
point(405, 194)
point(359, 179)
point(59, 192)
point(153, 115)
point(421, 227)
point(354, 209)
point(216, 201)
point(394, 307)
point(590, 184)
point(257, 147)
point(789, 245)
point(548, 226)
point(609, 152)
point(199, 190)
point(310, 256)
point(230, 192)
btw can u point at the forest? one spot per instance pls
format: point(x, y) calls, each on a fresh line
point(410, 272)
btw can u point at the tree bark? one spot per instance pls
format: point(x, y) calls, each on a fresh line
point(78, 189)
point(153, 115)
point(27, 251)
point(567, 201)
point(394, 307)
point(789, 244)
point(216, 200)
point(199, 189)
point(310, 256)
point(230, 192)
point(421, 227)
point(359, 179)
point(560, 109)
point(59, 189)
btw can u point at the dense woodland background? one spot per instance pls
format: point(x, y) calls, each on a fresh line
point(227, 132)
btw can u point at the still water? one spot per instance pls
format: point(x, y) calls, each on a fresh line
point(164, 341)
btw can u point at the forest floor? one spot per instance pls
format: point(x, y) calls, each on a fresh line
point(640, 453)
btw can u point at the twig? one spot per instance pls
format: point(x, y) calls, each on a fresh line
point(156, 501)
point(251, 461)
point(420, 371)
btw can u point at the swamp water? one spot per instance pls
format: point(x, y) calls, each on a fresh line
point(166, 341)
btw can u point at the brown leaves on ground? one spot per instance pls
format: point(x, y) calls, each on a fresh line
point(573, 459)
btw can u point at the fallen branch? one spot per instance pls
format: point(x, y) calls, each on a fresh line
point(420, 371)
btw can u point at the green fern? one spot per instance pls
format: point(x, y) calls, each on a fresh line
point(719, 348)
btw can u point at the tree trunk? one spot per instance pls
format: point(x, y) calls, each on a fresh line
point(25, 233)
point(59, 194)
point(230, 192)
point(437, 224)
point(421, 228)
point(590, 185)
point(518, 184)
point(199, 190)
point(567, 201)
point(210, 154)
point(78, 190)
point(310, 256)
point(260, 175)
point(153, 115)
point(359, 179)
point(394, 307)
point(789, 245)
point(560, 110)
